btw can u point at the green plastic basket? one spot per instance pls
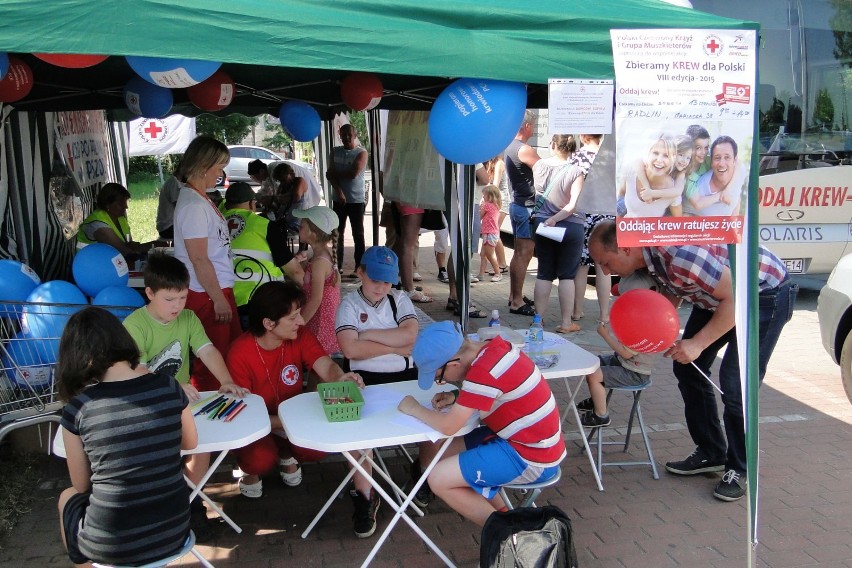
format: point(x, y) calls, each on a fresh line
point(337, 411)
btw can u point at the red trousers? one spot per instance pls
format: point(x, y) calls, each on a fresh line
point(220, 334)
point(261, 457)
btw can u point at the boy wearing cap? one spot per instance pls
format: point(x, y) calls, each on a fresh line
point(520, 439)
point(259, 246)
point(376, 327)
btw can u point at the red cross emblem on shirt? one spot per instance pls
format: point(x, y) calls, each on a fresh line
point(290, 375)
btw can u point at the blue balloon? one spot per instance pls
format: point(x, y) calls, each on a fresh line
point(126, 298)
point(147, 100)
point(48, 308)
point(28, 361)
point(98, 266)
point(473, 120)
point(4, 64)
point(172, 73)
point(300, 120)
point(16, 282)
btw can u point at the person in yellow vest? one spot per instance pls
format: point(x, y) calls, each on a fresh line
point(259, 246)
point(108, 224)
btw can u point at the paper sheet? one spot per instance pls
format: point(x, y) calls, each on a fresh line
point(552, 233)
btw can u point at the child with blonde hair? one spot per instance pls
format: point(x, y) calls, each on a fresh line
point(489, 212)
point(322, 280)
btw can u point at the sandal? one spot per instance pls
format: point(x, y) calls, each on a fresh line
point(419, 297)
point(472, 312)
point(577, 318)
point(252, 491)
point(290, 478)
point(572, 329)
point(525, 310)
point(452, 304)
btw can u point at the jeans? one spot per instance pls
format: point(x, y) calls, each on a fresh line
point(699, 398)
point(355, 213)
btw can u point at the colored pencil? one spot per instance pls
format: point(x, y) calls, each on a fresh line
point(235, 412)
point(231, 408)
point(209, 406)
point(225, 409)
point(204, 402)
point(215, 410)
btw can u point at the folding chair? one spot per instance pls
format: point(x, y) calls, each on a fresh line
point(532, 490)
point(635, 411)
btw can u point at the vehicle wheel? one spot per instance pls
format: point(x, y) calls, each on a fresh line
point(846, 366)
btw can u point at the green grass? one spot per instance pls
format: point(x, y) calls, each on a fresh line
point(142, 208)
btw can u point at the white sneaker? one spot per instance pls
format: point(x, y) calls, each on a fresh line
point(497, 278)
point(417, 277)
point(474, 279)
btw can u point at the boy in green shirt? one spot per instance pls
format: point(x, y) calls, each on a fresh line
point(165, 332)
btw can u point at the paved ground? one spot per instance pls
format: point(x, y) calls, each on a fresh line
point(805, 510)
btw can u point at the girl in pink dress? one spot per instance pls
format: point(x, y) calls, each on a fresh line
point(322, 281)
point(489, 212)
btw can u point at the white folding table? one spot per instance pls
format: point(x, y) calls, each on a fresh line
point(380, 425)
point(249, 426)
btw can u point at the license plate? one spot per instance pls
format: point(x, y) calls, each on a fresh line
point(795, 265)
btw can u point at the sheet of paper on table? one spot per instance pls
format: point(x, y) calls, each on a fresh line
point(381, 400)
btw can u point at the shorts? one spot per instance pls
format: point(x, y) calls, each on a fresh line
point(520, 217)
point(442, 241)
point(615, 375)
point(490, 239)
point(490, 462)
point(408, 210)
point(72, 521)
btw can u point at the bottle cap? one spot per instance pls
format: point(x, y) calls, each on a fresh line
point(495, 314)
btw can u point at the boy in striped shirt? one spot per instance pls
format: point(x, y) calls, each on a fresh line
point(520, 439)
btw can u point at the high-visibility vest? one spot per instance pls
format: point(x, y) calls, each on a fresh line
point(253, 264)
point(122, 231)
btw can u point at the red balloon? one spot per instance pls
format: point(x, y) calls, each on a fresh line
point(644, 321)
point(18, 81)
point(214, 93)
point(361, 91)
point(70, 60)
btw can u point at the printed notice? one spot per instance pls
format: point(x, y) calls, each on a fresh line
point(685, 110)
point(579, 105)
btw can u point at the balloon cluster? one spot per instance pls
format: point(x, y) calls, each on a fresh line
point(41, 309)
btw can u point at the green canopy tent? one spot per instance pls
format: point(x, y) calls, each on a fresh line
point(300, 49)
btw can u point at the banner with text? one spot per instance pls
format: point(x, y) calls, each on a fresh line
point(81, 139)
point(685, 110)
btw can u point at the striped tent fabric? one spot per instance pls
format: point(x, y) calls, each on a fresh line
point(41, 205)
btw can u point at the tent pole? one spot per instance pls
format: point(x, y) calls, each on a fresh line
point(374, 131)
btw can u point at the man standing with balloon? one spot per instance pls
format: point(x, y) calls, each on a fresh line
point(346, 174)
point(701, 275)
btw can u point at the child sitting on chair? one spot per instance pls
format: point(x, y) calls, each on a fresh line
point(376, 328)
point(623, 368)
point(520, 440)
point(123, 428)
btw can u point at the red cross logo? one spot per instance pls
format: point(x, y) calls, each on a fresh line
point(713, 46)
point(290, 375)
point(153, 130)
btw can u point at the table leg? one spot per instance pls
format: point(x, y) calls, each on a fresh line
point(331, 500)
point(197, 490)
point(400, 510)
point(399, 494)
point(572, 393)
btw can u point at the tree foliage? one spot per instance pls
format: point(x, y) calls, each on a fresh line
point(824, 110)
point(229, 129)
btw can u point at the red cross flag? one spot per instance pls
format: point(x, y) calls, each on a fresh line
point(160, 136)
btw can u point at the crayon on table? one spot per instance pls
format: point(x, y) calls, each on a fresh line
point(208, 407)
point(237, 411)
point(228, 404)
point(231, 408)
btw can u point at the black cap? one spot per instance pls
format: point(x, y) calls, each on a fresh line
point(239, 192)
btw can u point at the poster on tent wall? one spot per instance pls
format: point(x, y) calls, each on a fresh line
point(81, 139)
point(412, 172)
point(685, 104)
point(161, 136)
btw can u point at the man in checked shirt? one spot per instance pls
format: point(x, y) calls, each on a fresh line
point(701, 275)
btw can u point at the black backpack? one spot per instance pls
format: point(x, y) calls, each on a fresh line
point(529, 537)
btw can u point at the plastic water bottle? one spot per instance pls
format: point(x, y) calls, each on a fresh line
point(535, 336)
point(495, 319)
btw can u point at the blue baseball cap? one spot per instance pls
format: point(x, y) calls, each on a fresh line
point(381, 264)
point(435, 345)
